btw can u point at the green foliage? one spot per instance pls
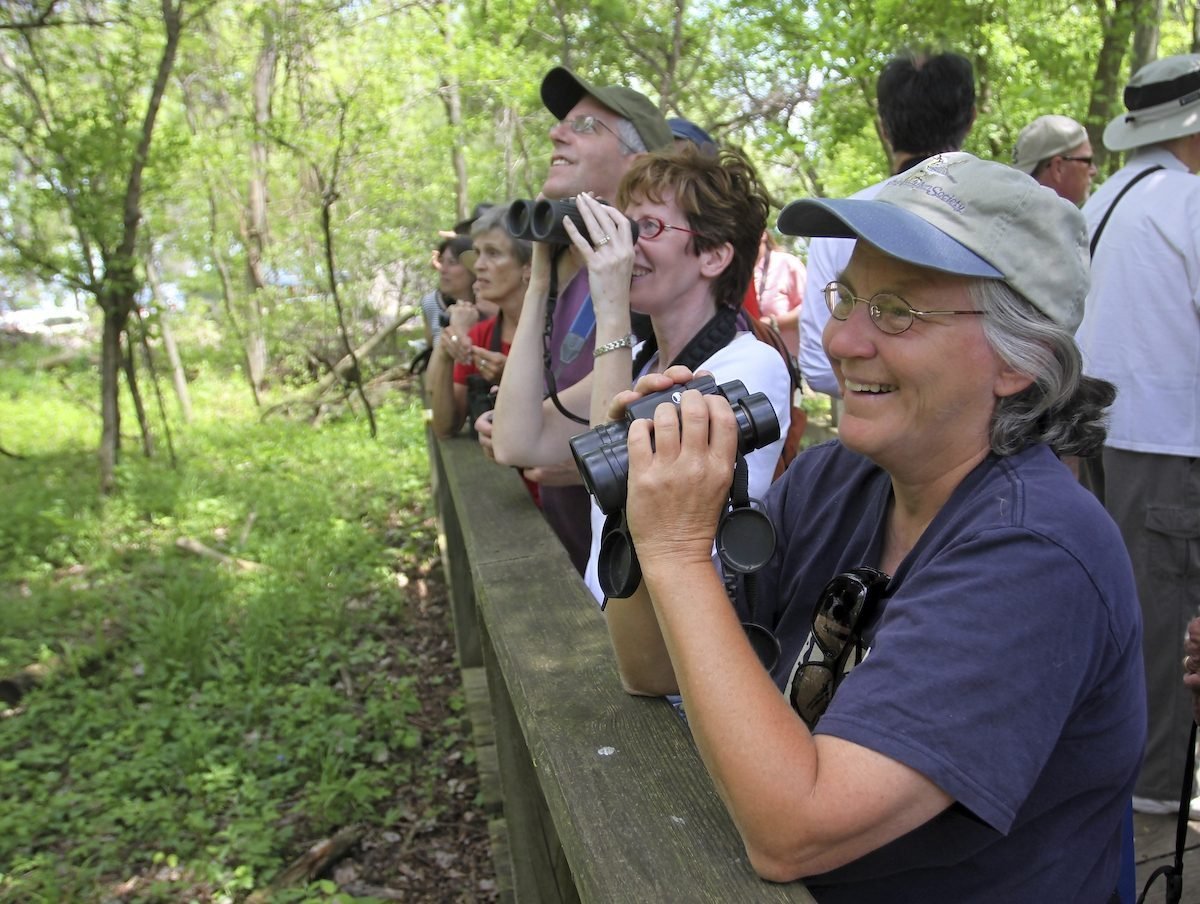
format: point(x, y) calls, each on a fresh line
point(400, 116)
point(198, 718)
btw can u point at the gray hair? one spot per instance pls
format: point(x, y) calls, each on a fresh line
point(631, 139)
point(1062, 407)
point(494, 218)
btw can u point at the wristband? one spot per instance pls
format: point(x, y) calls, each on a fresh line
point(624, 342)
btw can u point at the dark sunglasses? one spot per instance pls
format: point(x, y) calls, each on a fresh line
point(846, 605)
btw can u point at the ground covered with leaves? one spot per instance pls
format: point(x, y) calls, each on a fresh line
point(285, 724)
point(445, 855)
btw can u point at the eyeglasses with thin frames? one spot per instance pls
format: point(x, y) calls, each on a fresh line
point(650, 228)
point(586, 125)
point(891, 313)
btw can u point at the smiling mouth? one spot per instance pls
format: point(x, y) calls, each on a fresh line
point(871, 388)
point(559, 161)
point(639, 271)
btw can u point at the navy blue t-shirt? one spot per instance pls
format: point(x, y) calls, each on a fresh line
point(1005, 667)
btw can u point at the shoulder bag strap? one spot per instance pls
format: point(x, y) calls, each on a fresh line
point(1108, 213)
point(497, 330)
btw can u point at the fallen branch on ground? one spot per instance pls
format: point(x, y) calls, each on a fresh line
point(311, 863)
point(187, 544)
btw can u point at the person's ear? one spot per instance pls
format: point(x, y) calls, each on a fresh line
point(1010, 381)
point(713, 261)
point(882, 131)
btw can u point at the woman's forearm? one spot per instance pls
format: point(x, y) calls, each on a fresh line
point(611, 370)
point(526, 434)
point(448, 413)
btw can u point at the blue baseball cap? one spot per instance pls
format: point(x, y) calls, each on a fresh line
point(689, 131)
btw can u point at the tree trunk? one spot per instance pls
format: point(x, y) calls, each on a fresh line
point(119, 284)
point(178, 378)
point(215, 252)
point(110, 410)
point(255, 219)
point(452, 100)
point(1106, 88)
point(1145, 33)
point(135, 394)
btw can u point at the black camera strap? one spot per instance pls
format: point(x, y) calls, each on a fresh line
point(497, 332)
point(717, 333)
point(1173, 872)
point(547, 332)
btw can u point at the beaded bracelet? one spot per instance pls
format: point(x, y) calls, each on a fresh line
point(624, 342)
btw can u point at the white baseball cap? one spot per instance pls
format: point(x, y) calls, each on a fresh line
point(1046, 137)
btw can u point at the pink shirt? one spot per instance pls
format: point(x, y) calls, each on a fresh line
point(780, 288)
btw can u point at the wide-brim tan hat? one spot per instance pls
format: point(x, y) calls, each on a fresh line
point(1163, 102)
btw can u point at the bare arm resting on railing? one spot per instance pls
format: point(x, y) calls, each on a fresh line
point(447, 398)
point(839, 800)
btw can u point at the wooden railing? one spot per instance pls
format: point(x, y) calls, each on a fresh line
point(604, 796)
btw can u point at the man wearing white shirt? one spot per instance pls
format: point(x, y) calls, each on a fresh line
point(926, 106)
point(1141, 331)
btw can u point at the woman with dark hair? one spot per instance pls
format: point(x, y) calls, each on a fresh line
point(958, 713)
point(698, 218)
point(454, 284)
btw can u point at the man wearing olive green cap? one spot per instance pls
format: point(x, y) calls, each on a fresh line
point(1141, 331)
point(600, 131)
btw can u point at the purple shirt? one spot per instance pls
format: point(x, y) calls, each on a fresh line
point(567, 509)
point(571, 352)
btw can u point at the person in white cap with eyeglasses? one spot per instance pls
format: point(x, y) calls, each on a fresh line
point(1141, 331)
point(1056, 151)
point(978, 736)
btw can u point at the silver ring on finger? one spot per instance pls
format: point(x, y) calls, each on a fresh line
point(603, 240)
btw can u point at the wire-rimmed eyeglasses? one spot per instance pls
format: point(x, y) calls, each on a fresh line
point(888, 311)
point(586, 125)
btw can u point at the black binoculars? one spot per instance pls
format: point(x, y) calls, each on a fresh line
point(541, 221)
point(602, 453)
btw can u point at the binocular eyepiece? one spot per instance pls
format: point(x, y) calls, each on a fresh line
point(602, 454)
point(541, 221)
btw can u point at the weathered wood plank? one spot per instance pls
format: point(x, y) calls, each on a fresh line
point(498, 834)
point(1154, 846)
point(479, 711)
point(455, 564)
point(605, 794)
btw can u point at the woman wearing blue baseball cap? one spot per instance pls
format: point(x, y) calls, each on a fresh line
point(957, 713)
